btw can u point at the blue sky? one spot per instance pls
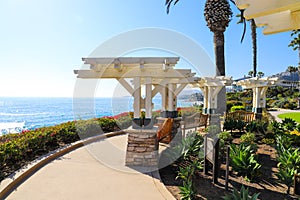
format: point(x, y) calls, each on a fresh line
point(42, 42)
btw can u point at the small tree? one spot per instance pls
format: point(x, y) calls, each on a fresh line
point(260, 74)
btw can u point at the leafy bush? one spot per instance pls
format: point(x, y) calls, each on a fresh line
point(260, 126)
point(226, 136)
point(16, 150)
point(232, 124)
point(235, 108)
point(229, 124)
point(243, 194)
point(187, 190)
point(268, 141)
point(248, 138)
point(243, 158)
point(230, 103)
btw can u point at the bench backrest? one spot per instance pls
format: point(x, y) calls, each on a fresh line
point(240, 115)
point(165, 131)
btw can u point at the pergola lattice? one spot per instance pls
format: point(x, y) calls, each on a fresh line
point(157, 74)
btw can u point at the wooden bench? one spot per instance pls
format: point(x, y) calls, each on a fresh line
point(245, 116)
point(193, 122)
point(237, 120)
point(164, 133)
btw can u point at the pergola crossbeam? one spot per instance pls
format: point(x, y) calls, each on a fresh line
point(275, 15)
point(126, 85)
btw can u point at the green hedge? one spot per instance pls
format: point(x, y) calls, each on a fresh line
point(16, 150)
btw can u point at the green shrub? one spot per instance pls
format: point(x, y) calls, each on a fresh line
point(243, 158)
point(268, 141)
point(187, 191)
point(229, 124)
point(243, 194)
point(248, 138)
point(226, 136)
point(234, 108)
point(230, 103)
point(16, 150)
point(240, 125)
point(257, 126)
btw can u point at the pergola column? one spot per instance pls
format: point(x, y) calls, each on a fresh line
point(171, 101)
point(259, 99)
point(259, 88)
point(213, 92)
point(205, 98)
point(211, 86)
point(148, 102)
point(137, 102)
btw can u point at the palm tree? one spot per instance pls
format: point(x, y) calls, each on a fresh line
point(250, 73)
point(254, 45)
point(292, 70)
point(295, 42)
point(260, 74)
point(217, 14)
point(254, 39)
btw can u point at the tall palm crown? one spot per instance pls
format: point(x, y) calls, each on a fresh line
point(218, 14)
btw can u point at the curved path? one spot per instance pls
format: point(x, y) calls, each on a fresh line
point(80, 175)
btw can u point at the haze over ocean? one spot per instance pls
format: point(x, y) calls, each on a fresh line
point(39, 112)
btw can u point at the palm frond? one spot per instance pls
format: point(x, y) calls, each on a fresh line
point(169, 3)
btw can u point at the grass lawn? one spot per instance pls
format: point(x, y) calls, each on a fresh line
point(293, 115)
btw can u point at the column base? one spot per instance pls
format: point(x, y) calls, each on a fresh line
point(142, 148)
point(141, 123)
point(148, 123)
point(137, 123)
point(258, 112)
point(169, 114)
point(211, 111)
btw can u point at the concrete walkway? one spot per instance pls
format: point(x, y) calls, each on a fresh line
point(275, 113)
point(95, 171)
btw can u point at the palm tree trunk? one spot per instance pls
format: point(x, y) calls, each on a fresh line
point(254, 46)
point(219, 53)
point(220, 69)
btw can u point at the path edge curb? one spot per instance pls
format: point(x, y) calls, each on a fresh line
point(40, 162)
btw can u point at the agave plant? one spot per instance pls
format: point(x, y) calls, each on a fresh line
point(289, 124)
point(187, 191)
point(288, 165)
point(243, 194)
point(243, 158)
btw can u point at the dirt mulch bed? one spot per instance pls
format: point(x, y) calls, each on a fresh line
point(266, 183)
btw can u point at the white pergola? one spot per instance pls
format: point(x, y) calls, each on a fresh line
point(157, 74)
point(259, 87)
point(275, 15)
point(211, 86)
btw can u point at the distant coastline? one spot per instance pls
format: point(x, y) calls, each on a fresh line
point(42, 111)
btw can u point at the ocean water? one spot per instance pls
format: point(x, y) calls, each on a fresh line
point(39, 112)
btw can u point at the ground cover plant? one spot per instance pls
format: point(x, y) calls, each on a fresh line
point(17, 150)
